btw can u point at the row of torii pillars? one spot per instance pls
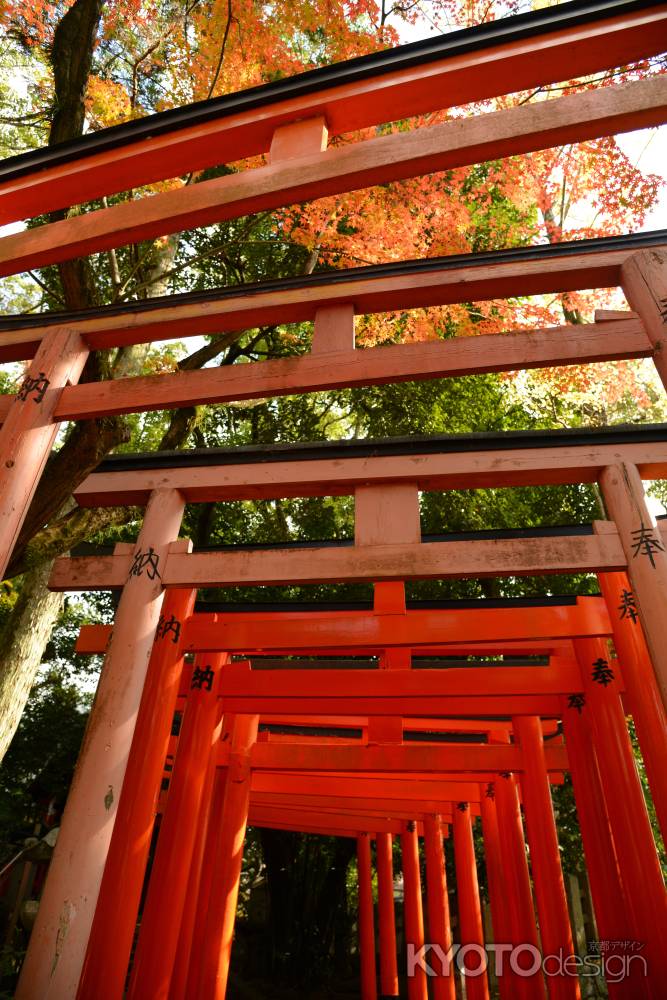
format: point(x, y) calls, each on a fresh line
point(191, 903)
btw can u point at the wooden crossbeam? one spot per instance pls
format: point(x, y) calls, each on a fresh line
point(509, 55)
point(429, 560)
point(409, 758)
point(472, 692)
point(500, 706)
point(438, 281)
point(94, 639)
point(329, 631)
point(574, 118)
point(560, 677)
point(373, 366)
point(378, 288)
point(396, 808)
point(402, 789)
point(475, 468)
point(409, 724)
point(323, 825)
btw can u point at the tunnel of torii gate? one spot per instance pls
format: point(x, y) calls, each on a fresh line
point(395, 720)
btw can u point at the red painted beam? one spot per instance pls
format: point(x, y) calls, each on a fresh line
point(429, 760)
point(366, 789)
point(560, 677)
point(460, 142)
point(396, 808)
point(477, 74)
point(329, 631)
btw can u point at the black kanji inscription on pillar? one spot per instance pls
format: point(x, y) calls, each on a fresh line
point(37, 386)
point(602, 672)
point(203, 678)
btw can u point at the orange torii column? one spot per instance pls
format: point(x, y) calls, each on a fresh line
point(386, 915)
point(642, 695)
point(161, 919)
point(469, 907)
point(625, 500)
point(189, 952)
point(388, 598)
point(638, 860)
point(612, 916)
point(413, 912)
point(366, 926)
point(28, 433)
point(498, 890)
point(517, 877)
point(555, 930)
point(437, 903)
point(67, 907)
point(118, 903)
point(218, 929)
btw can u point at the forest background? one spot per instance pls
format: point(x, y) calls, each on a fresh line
point(72, 67)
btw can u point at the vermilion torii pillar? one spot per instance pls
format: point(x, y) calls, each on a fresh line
point(161, 920)
point(218, 928)
point(53, 964)
point(115, 919)
point(642, 695)
point(625, 500)
point(638, 861)
point(469, 906)
point(386, 915)
point(498, 889)
point(555, 930)
point(28, 433)
point(366, 923)
point(191, 945)
point(612, 915)
point(439, 928)
point(519, 897)
point(413, 911)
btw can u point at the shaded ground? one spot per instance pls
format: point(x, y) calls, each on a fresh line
point(262, 990)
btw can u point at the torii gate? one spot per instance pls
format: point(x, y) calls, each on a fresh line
point(384, 756)
point(291, 120)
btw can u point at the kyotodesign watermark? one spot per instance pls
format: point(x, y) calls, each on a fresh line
point(614, 960)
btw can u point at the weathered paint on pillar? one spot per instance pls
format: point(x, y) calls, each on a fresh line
point(115, 918)
point(413, 910)
point(437, 904)
point(612, 916)
point(28, 433)
point(366, 925)
point(386, 915)
point(161, 919)
point(642, 695)
point(638, 860)
point(471, 927)
point(644, 281)
point(60, 937)
point(555, 929)
point(625, 501)
point(218, 927)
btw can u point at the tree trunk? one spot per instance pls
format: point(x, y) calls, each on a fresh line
point(22, 642)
